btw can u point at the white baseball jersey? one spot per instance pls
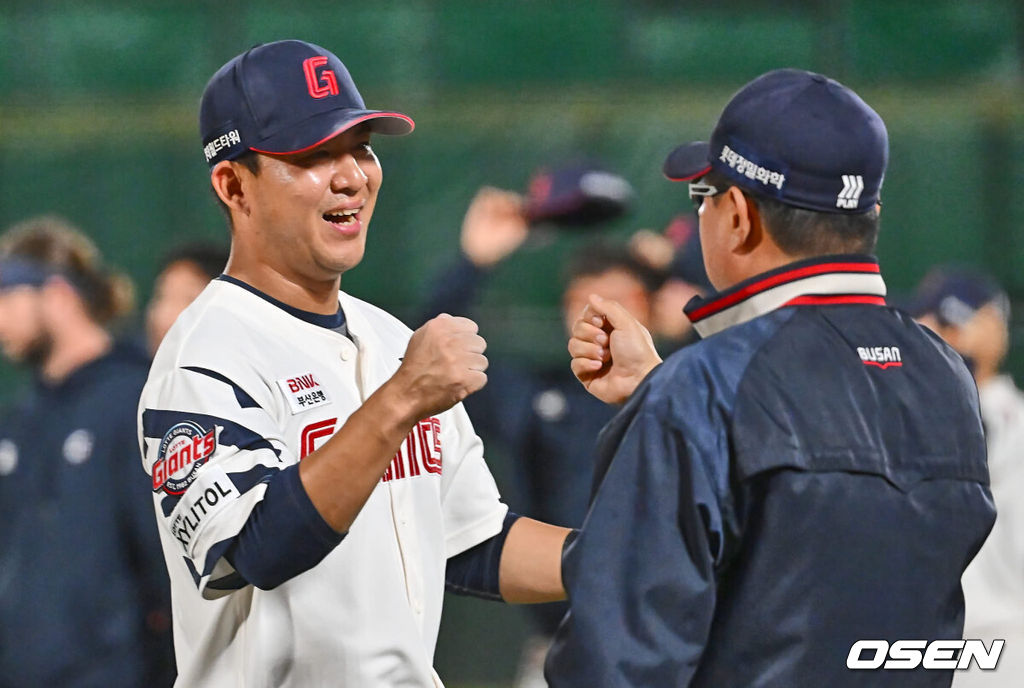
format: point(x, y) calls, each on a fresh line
point(242, 387)
point(993, 583)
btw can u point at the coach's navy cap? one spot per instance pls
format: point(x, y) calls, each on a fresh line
point(953, 294)
point(284, 97)
point(797, 136)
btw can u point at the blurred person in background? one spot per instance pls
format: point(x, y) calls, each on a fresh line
point(576, 197)
point(676, 253)
point(83, 592)
point(183, 273)
point(542, 418)
point(971, 312)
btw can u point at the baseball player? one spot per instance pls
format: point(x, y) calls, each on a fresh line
point(184, 272)
point(316, 481)
point(971, 311)
point(810, 474)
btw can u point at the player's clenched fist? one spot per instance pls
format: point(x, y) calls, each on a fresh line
point(443, 364)
point(611, 352)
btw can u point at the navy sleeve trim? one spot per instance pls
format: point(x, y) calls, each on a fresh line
point(241, 396)
point(284, 535)
point(475, 571)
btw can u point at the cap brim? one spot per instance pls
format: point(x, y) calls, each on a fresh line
point(687, 162)
point(325, 127)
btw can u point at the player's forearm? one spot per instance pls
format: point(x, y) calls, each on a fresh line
point(531, 562)
point(339, 476)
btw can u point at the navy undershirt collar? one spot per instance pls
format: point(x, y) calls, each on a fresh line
point(331, 322)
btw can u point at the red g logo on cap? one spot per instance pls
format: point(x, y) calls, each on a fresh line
point(326, 85)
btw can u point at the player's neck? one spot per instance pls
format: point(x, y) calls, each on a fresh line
point(984, 374)
point(314, 296)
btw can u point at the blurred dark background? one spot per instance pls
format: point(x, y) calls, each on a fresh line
point(98, 105)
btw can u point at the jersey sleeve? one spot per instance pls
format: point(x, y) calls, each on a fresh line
point(209, 448)
point(472, 508)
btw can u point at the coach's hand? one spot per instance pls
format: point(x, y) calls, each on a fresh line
point(611, 352)
point(443, 364)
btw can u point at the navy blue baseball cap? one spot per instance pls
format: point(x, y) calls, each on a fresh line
point(580, 194)
point(797, 136)
point(284, 97)
point(953, 294)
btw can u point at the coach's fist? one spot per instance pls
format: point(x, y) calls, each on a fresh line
point(611, 351)
point(443, 364)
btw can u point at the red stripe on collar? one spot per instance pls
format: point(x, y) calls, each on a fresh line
point(746, 292)
point(833, 300)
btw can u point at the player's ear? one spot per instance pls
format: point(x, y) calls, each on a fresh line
point(226, 179)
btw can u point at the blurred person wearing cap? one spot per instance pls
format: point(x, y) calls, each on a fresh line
point(540, 416)
point(574, 197)
point(183, 273)
point(812, 472)
point(329, 571)
point(971, 312)
point(84, 599)
point(676, 253)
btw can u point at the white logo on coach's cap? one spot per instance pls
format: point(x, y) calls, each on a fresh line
point(849, 197)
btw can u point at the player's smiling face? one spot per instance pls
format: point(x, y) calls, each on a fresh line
point(310, 210)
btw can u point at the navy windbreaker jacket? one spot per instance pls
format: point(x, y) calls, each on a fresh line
point(80, 559)
point(810, 474)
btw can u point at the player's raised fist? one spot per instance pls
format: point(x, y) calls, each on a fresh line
point(611, 352)
point(443, 364)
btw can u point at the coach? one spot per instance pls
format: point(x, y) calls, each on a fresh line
point(810, 474)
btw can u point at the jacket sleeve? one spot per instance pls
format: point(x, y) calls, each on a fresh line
point(640, 577)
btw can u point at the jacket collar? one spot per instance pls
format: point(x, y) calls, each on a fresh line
point(822, 280)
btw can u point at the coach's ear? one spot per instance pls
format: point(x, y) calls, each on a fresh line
point(743, 222)
point(226, 178)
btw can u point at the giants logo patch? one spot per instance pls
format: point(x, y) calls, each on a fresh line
point(183, 450)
